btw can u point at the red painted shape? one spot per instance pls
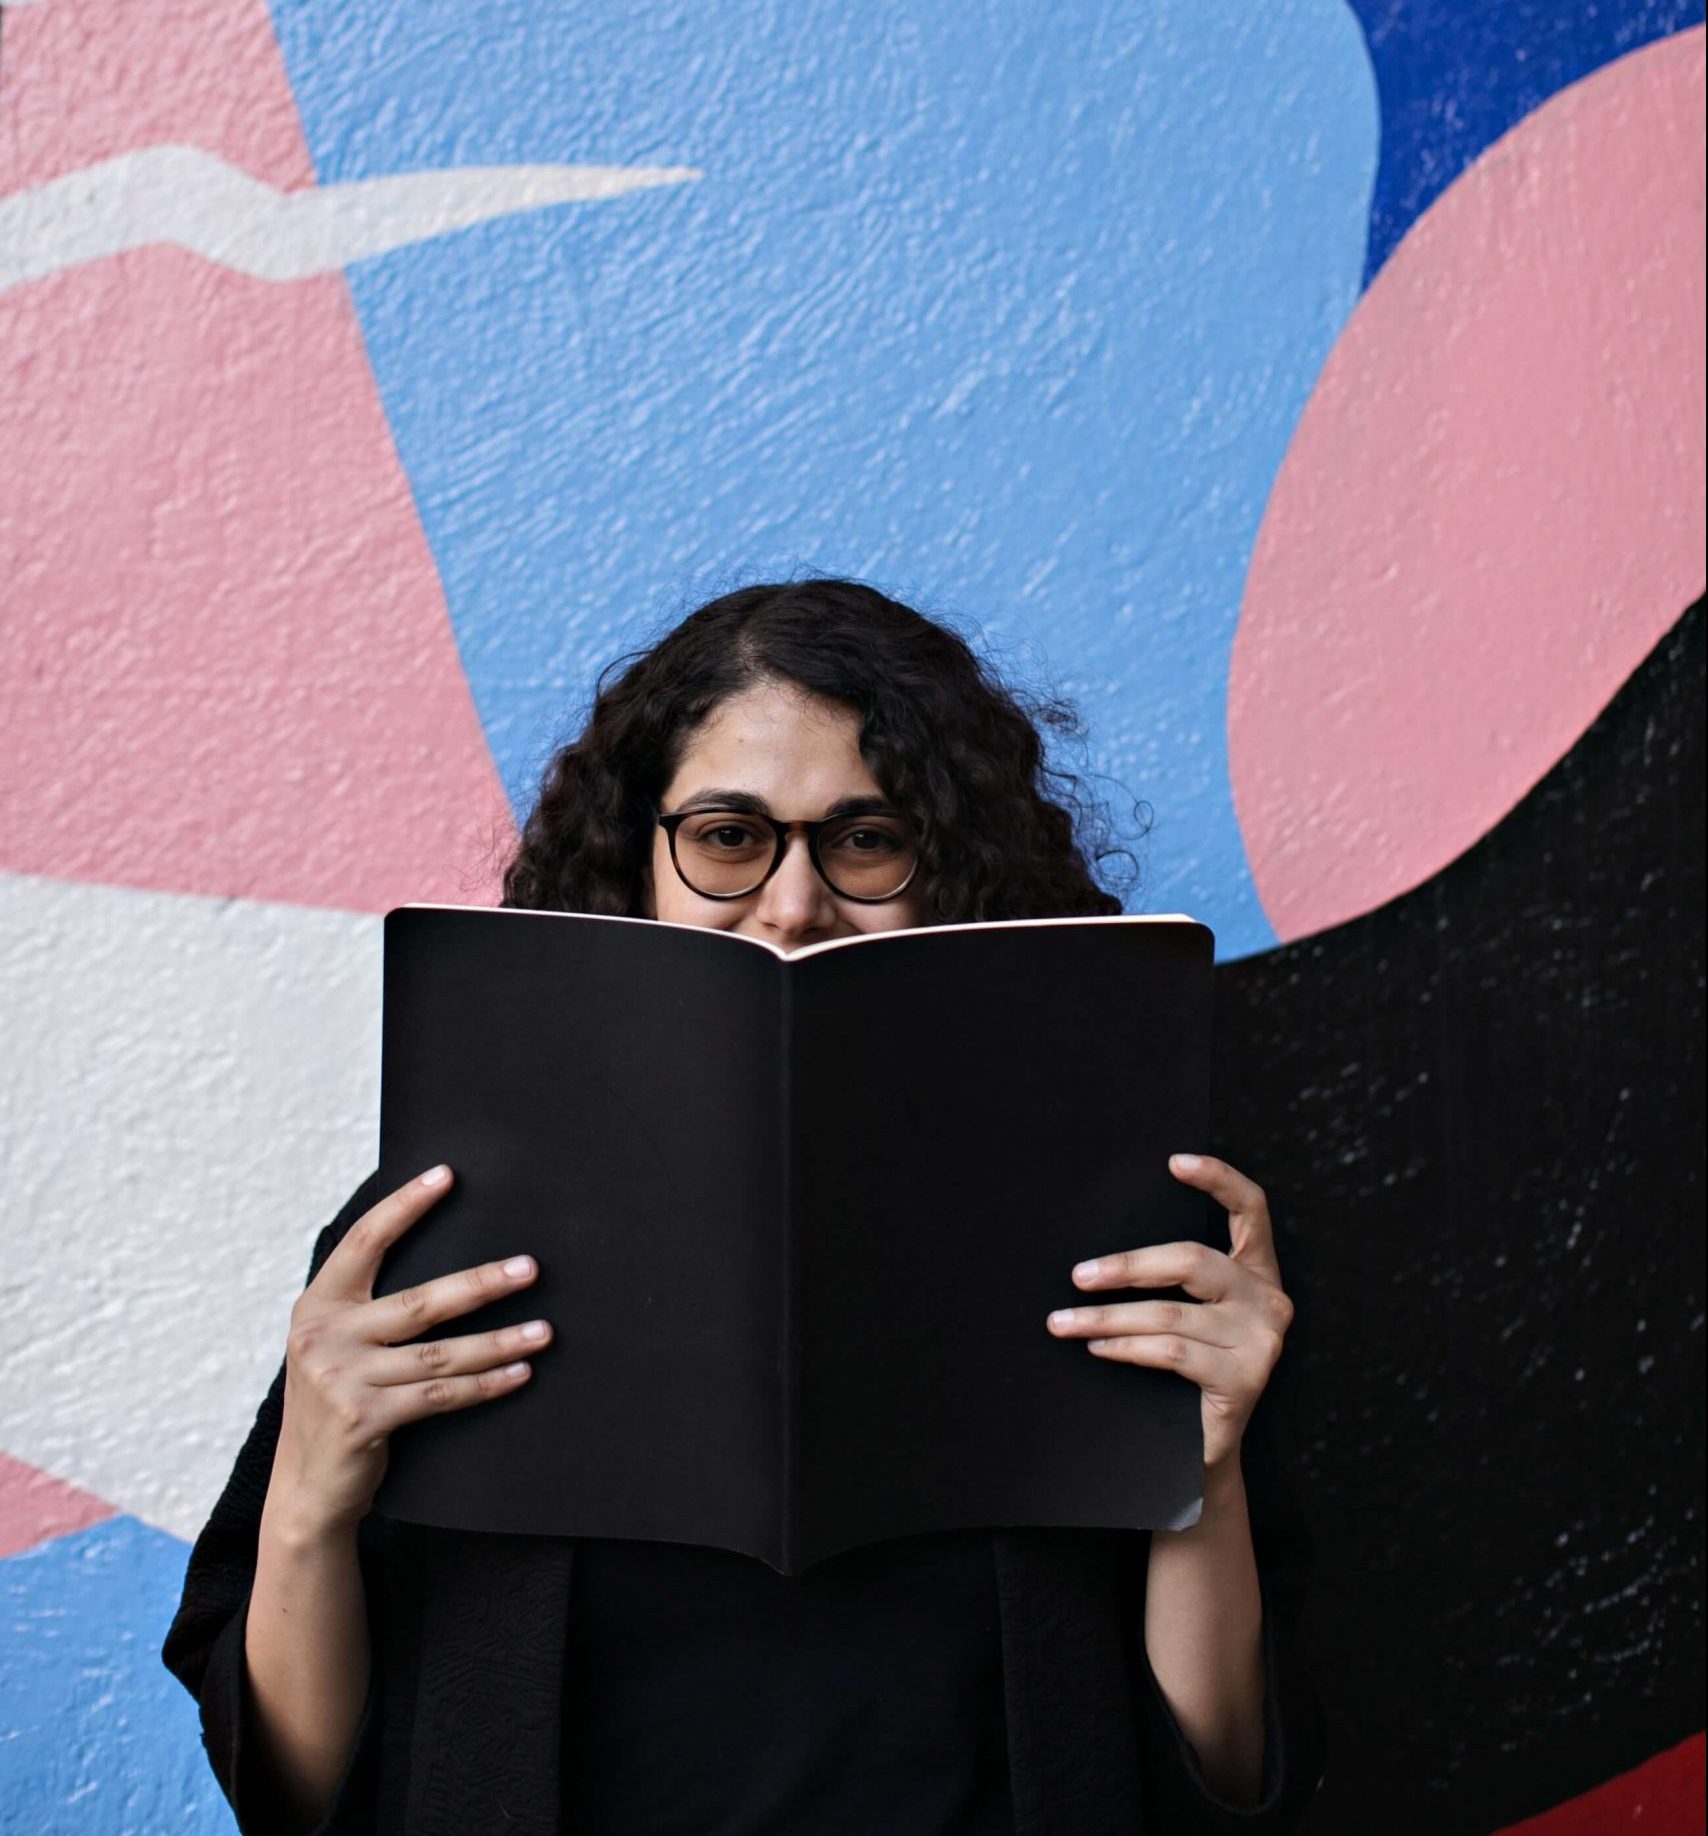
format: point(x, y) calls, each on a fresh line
point(1661, 1797)
point(230, 666)
point(35, 1507)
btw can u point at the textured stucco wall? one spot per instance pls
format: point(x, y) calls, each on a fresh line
point(1314, 392)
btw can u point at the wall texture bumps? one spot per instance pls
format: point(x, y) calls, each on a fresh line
point(1314, 392)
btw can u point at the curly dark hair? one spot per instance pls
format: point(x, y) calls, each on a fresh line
point(950, 745)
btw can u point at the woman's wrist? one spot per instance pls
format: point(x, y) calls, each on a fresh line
point(1224, 1483)
point(1224, 1503)
point(296, 1523)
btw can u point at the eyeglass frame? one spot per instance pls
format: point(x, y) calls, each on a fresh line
point(781, 829)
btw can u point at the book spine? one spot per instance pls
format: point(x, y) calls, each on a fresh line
point(787, 1338)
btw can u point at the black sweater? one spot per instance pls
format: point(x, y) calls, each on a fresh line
point(463, 1734)
point(711, 1696)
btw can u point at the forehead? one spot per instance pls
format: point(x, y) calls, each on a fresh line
point(775, 737)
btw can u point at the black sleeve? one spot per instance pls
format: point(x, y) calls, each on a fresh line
point(1294, 1731)
point(204, 1646)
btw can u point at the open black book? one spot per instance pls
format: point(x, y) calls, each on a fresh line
point(799, 1220)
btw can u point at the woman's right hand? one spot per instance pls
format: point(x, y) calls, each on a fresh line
point(350, 1378)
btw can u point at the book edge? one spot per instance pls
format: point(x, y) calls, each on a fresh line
point(830, 943)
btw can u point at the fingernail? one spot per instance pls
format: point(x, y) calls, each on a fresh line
point(1063, 1316)
point(1187, 1163)
point(435, 1176)
point(1085, 1271)
point(519, 1265)
point(535, 1329)
point(516, 1370)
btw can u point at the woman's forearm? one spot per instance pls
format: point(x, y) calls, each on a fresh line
point(1204, 1632)
point(306, 1646)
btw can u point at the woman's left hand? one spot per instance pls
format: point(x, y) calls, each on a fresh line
point(1228, 1343)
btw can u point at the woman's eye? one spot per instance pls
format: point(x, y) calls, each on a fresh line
point(727, 835)
point(867, 841)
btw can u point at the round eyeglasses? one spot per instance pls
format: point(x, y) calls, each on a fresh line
point(727, 854)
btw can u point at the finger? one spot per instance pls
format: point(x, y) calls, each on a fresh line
point(395, 1318)
point(1200, 1270)
point(1189, 1319)
point(412, 1402)
point(1208, 1366)
point(458, 1356)
point(348, 1273)
point(1250, 1229)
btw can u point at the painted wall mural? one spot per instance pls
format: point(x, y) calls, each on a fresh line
point(1314, 392)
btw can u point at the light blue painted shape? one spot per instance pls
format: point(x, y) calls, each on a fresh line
point(1009, 310)
point(97, 1737)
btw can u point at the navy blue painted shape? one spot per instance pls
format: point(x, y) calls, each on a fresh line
point(1454, 75)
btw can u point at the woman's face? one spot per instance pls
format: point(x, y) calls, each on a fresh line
point(800, 754)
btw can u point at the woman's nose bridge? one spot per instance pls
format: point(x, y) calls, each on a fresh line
point(795, 869)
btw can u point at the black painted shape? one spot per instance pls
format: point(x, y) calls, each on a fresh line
point(1478, 1112)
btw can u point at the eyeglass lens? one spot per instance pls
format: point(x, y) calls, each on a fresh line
point(726, 852)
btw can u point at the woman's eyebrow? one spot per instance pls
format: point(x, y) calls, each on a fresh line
point(860, 806)
point(867, 805)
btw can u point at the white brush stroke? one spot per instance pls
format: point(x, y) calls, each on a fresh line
point(189, 1091)
point(189, 197)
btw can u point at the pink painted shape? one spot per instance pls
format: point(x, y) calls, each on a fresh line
point(35, 1507)
point(1661, 1797)
point(1492, 508)
point(230, 667)
point(85, 79)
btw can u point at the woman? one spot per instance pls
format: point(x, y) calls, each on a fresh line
point(359, 1674)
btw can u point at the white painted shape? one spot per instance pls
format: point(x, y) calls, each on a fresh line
point(189, 1089)
point(190, 197)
